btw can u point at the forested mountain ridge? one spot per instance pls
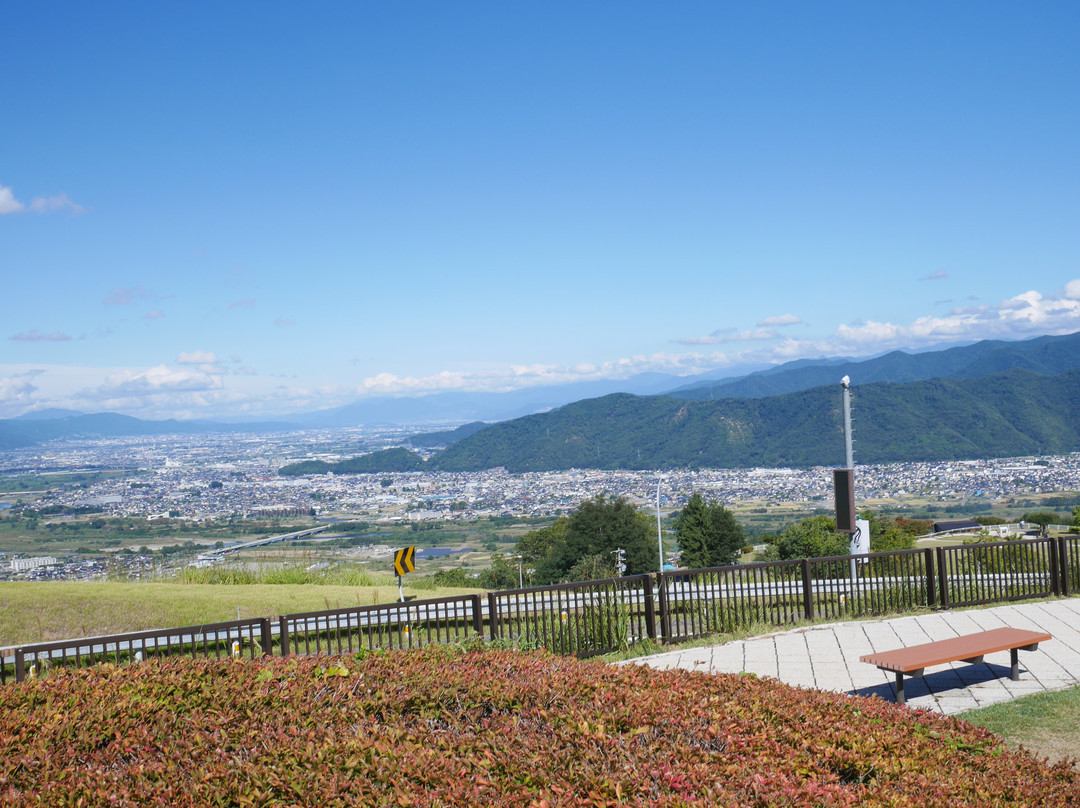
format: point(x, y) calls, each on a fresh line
point(1049, 355)
point(1008, 414)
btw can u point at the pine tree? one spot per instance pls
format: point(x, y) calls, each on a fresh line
point(709, 535)
point(692, 526)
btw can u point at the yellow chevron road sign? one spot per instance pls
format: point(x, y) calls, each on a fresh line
point(403, 560)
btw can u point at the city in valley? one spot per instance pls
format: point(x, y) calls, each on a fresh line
point(191, 492)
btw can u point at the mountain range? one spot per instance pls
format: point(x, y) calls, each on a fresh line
point(1004, 415)
point(988, 399)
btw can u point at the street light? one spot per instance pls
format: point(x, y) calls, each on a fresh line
point(659, 534)
point(521, 578)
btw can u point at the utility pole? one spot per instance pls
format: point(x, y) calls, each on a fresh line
point(620, 561)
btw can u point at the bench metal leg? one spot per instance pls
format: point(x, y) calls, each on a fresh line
point(1014, 657)
point(900, 696)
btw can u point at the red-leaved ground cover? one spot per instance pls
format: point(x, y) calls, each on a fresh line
point(449, 727)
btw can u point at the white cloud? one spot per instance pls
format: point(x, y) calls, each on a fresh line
point(161, 392)
point(284, 322)
point(8, 202)
point(17, 392)
point(156, 314)
point(47, 204)
point(1025, 315)
point(201, 384)
point(197, 358)
point(33, 335)
point(122, 297)
point(515, 377)
point(242, 304)
point(940, 275)
point(780, 320)
point(723, 336)
point(39, 204)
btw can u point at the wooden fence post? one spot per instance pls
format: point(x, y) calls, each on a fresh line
point(283, 633)
point(1063, 557)
point(943, 579)
point(931, 579)
point(1055, 565)
point(807, 590)
point(650, 613)
point(478, 615)
point(267, 636)
point(665, 607)
point(493, 616)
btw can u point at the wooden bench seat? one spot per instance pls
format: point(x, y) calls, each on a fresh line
point(971, 648)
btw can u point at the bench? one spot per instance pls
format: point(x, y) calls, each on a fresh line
point(971, 648)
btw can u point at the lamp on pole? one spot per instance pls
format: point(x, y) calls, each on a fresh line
point(521, 578)
point(659, 533)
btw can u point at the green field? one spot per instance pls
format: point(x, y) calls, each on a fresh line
point(32, 612)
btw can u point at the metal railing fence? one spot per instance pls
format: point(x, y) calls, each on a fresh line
point(596, 617)
point(249, 638)
point(412, 624)
point(584, 618)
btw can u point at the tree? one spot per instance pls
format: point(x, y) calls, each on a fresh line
point(536, 545)
point(598, 527)
point(709, 535)
point(814, 537)
point(501, 575)
point(888, 534)
point(1042, 519)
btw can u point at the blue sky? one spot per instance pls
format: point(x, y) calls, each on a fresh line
point(260, 208)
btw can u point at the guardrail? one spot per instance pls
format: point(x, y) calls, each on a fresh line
point(595, 617)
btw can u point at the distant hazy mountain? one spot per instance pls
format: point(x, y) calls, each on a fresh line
point(48, 414)
point(16, 433)
point(381, 462)
point(459, 407)
point(1046, 355)
point(430, 440)
point(1007, 414)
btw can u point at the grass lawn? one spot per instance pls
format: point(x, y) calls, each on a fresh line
point(33, 612)
point(1046, 724)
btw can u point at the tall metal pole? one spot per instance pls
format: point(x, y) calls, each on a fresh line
point(659, 534)
point(845, 383)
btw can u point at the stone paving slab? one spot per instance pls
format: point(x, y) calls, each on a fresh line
point(826, 657)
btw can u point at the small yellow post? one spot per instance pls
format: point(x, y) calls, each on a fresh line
point(236, 649)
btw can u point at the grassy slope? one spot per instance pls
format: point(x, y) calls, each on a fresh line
point(1047, 724)
point(38, 612)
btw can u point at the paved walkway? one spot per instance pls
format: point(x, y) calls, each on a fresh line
point(826, 657)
